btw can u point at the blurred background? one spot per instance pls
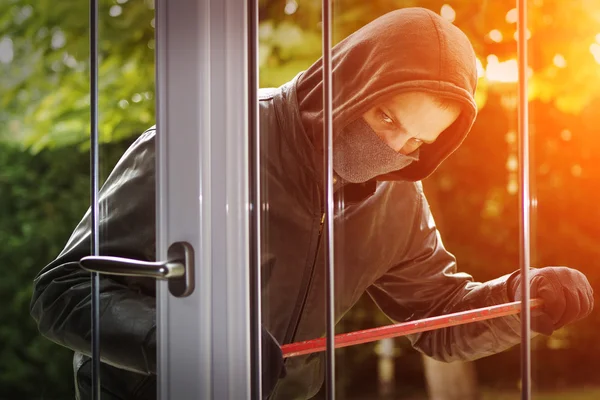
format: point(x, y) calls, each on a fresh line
point(44, 173)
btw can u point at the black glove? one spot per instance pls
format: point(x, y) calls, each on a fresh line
point(566, 292)
point(272, 363)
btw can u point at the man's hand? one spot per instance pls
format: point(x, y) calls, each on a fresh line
point(566, 292)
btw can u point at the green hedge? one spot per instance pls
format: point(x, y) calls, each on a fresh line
point(42, 198)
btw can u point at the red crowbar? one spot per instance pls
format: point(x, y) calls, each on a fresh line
point(407, 328)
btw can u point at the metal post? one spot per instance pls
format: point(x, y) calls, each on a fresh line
point(524, 197)
point(255, 202)
point(328, 181)
point(95, 208)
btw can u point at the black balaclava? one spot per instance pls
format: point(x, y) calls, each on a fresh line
point(359, 154)
point(411, 49)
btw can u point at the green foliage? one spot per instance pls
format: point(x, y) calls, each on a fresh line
point(42, 198)
point(32, 203)
point(45, 87)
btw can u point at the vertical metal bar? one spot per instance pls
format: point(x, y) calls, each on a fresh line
point(229, 189)
point(255, 202)
point(163, 367)
point(95, 208)
point(328, 192)
point(524, 194)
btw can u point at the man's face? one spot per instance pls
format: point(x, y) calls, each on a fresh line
point(410, 119)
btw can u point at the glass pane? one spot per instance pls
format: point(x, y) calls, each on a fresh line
point(293, 307)
point(563, 99)
point(127, 196)
point(394, 263)
point(44, 186)
point(62, 301)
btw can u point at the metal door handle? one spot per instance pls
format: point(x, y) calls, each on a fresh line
point(178, 270)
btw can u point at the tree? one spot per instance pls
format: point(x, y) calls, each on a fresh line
point(44, 71)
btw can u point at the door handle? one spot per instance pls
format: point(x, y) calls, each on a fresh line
point(178, 270)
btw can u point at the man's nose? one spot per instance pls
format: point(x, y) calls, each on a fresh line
point(410, 146)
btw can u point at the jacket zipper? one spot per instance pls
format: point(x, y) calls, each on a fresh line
point(306, 291)
point(310, 278)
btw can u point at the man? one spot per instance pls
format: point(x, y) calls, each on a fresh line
point(402, 103)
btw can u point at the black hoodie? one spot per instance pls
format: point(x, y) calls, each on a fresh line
point(412, 49)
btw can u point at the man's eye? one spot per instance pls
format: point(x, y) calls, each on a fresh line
point(384, 117)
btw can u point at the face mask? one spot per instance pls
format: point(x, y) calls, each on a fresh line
point(360, 155)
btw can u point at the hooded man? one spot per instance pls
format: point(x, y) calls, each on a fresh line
point(402, 103)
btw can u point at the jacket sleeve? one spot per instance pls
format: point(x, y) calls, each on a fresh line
point(426, 283)
point(61, 301)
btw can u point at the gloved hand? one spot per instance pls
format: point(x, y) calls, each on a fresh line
point(566, 292)
point(272, 363)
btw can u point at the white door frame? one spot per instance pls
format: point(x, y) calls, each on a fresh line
point(202, 197)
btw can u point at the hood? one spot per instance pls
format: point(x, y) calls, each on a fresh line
point(411, 49)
